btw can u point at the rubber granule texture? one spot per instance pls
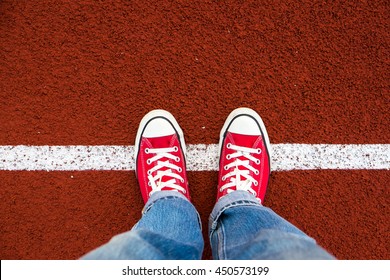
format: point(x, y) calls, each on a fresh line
point(85, 72)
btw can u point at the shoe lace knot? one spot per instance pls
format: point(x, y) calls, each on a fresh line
point(240, 177)
point(159, 174)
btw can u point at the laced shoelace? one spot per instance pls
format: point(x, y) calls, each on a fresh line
point(235, 175)
point(155, 182)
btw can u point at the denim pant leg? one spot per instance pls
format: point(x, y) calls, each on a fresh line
point(241, 228)
point(170, 228)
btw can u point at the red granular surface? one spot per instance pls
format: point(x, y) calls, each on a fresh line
point(85, 72)
point(50, 215)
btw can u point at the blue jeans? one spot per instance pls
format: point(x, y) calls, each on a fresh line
point(239, 228)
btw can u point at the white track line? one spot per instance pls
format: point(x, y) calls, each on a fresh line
point(200, 157)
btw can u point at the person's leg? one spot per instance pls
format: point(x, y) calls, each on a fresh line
point(170, 227)
point(240, 227)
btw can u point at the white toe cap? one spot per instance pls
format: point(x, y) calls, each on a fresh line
point(158, 127)
point(244, 125)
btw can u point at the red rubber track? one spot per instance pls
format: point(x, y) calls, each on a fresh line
point(85, 72)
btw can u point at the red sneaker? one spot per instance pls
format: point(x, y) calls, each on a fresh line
point(244, 162)
point(159, 152)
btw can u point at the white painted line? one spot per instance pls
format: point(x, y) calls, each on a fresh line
point(200, 157)
point(325, 156)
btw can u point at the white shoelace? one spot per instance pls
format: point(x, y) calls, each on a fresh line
point(155, 182)
point(235, 175)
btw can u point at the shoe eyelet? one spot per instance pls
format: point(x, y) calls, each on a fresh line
point(228, 157)
point(149, 184)
point(258, 151)
point(223, 178)
point(175, 149)
point(177, 159)
point(147, 151)
point(148, 162)
point(257, 161)
point(149, 172)
point(229, 145)
point(182, 180)
point(256, 183)
point(225, 167)
point(257, 172)
point(180, 169)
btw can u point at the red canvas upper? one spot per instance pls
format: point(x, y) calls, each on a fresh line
point(249, 141)
point(143, 166)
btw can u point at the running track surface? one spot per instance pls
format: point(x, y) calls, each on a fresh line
point(85, 72)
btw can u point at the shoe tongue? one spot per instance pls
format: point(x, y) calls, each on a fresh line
point(161, 142)
point(243, 140)
point(249, 141)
